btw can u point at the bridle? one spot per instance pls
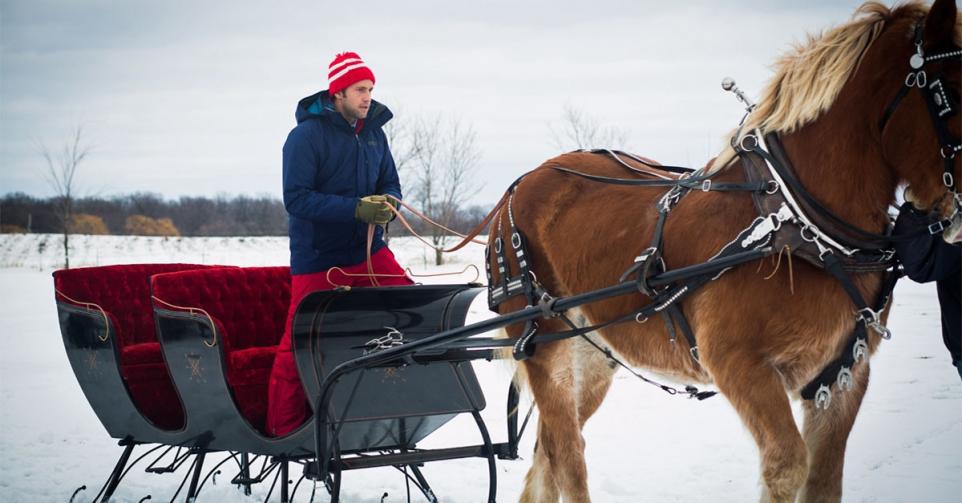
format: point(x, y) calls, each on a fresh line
point(940, 106)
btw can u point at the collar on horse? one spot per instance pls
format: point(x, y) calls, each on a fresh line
point(812, 230)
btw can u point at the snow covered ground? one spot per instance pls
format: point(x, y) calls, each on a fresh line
point(641, 446)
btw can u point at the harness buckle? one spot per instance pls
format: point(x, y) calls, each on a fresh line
point(938, 227)
point(952, 149)
point(645, 255)
point(706, 185)
point(812, 237)
point(871, 320)
point(752, 142)
point(546, 304)
point(823, 397)
point(773, 187)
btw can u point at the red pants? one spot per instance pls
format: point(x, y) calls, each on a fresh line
point(287, 405)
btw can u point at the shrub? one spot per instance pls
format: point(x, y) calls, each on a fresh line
point(83, 223)
point(12, 229)
point(145, 226)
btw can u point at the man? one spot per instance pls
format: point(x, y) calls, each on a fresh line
point(927, 258)
point(338, 172)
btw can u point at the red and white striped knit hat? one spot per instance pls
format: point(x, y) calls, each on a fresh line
point(346, 69)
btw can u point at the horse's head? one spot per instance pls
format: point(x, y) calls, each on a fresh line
point(915, 68)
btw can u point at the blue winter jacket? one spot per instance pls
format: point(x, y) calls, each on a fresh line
point(327, 168)
point(928, 258)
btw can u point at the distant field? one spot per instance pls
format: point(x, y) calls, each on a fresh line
point(45, 252)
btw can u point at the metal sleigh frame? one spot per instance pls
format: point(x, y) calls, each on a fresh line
point(376, 416)
point(332, 384)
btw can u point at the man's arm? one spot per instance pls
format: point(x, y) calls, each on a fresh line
point(925, 257)
point(301, 164)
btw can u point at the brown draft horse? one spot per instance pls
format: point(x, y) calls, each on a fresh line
point(760, 340)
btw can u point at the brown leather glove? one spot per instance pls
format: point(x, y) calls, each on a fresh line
point(373, 210)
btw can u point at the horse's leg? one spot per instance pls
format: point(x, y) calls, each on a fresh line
point(826, 433)
point(539, 484)
point(594, 372)
point(559, 466)
point(756, 392)
point(594, 377)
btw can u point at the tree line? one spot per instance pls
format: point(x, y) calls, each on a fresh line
point(153, 215)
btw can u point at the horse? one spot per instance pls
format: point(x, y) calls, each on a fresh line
point(844, 107)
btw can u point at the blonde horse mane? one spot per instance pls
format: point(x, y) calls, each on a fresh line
point(808, 78)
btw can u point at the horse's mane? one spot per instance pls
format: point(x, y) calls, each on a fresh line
point(808, 78)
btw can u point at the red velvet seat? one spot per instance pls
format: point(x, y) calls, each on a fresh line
point(249, 307)
point(123, 292)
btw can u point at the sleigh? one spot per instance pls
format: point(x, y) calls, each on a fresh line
point(176, 358)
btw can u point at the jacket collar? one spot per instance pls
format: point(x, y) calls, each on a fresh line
point(320, 106)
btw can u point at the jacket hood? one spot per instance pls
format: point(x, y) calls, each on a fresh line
point(320, 106)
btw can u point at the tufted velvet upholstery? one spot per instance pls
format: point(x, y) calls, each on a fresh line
point(249, 306)
point(123, 291)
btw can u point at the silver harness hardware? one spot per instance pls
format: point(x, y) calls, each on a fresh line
point(393, 338)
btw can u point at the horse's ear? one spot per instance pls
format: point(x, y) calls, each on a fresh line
point(940, 23)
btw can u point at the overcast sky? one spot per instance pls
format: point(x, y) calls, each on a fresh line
point(196, 98)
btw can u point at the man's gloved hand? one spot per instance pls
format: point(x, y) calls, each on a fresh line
point(373, 210)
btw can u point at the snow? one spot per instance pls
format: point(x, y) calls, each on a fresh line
point(641, 445)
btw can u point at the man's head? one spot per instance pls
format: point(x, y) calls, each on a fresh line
point(350, 85)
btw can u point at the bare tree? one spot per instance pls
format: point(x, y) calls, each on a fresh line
point(445, 157)
point(60, 174)
point(581, 131)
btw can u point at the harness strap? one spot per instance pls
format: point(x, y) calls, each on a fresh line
point(701, 182)
point(675, 315)
point(890, 109)
point(839, 370)
point(639, 159)
point(949, 146)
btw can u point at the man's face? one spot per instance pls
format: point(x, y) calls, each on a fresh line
point(356, 100)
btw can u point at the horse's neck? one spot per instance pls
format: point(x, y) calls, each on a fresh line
point(843, 168)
